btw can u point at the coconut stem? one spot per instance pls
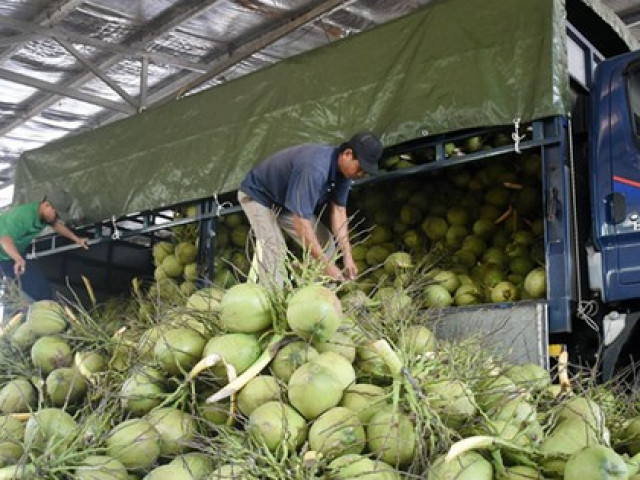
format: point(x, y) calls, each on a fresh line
point(260, 364)
point(89, 288)
point(389, 357)
point(207, 362)
point(16, 319)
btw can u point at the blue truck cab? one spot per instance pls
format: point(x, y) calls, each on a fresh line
point(615, 178)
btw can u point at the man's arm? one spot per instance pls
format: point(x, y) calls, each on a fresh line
point(63, 230)
point(307, 235)
point(9, 246)
point(340, 229)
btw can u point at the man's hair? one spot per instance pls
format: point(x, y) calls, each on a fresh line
point(343, 147)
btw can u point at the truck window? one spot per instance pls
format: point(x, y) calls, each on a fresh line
point(633, 87)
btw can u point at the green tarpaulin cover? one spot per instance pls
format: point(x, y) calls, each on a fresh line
point(452, 65)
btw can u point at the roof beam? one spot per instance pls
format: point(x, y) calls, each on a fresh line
point(253, 46)
point(99, 73)
point(50, 15)
point(223, 62)
point(63, 91)
point(163, 23)
point(69, 37)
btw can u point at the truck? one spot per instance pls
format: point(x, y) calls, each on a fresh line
point(561, 79)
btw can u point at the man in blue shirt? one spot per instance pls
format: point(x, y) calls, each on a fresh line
point(287, 190)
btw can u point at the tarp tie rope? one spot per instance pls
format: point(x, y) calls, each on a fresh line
point(116, 235)
point(221, 206)
point(515, 136)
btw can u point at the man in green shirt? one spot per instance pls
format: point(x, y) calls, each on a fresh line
point(19, 226)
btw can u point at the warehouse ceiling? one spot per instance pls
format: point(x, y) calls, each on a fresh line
point(67, 66)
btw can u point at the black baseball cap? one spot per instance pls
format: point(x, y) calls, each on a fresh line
point(368, 150)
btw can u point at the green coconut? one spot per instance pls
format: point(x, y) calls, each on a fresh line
point(515, 410)
point(370, 363)
point(468, 294)
point(218, 413)
point(177, 429)
point(467, 466)
point(631, 436)
point(49, 353)
point(568, 437)
point(522, 472)
point(246, 308)
point(475, 244)
point(448, 279)
point(435, 228)
point(437, 296)
point(364, 399)
point(240, 350)
point(101, 467)
point(142, 390)
point(23, 336)
point(494, 391)
point(338, 431)
point(147, 342)
point(199, 465)
point(340, 343)
point(185, 252)
point(338, 365)
point(206, 300)
point(275, 423)
point(17, 396)
point(535, 283)
point(397, 262)
point(417, 340)
point(46, 317)
point(89, 363)
point(65, 386)
point(188, 287)
point(190, 272)
point(362, 468)
point(50, 430)
point(504, 292)
point(160, 250)
point(178, 350)
point(596, 462)
point(314, 389)
point(258, 390)
point(231, 471)
point(394, 302)
point(290, 357)
point(391, 436)
point(583, 409)
point(452, 399)
point(11, 435)
point(529, 375)
point(169, 472)
point(314, 313)
point(171, 266)
point(135, 443)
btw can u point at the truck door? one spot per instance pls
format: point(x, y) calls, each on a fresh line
point(616, 175)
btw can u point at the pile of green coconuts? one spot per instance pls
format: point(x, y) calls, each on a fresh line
point(307, 381)
point(312, 380)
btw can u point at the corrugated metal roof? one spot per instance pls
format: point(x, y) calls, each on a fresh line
point(67, 66)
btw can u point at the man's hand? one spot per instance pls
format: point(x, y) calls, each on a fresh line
point(19, 266)
point(334, 272)
point(350, 269)
point(83, 242)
